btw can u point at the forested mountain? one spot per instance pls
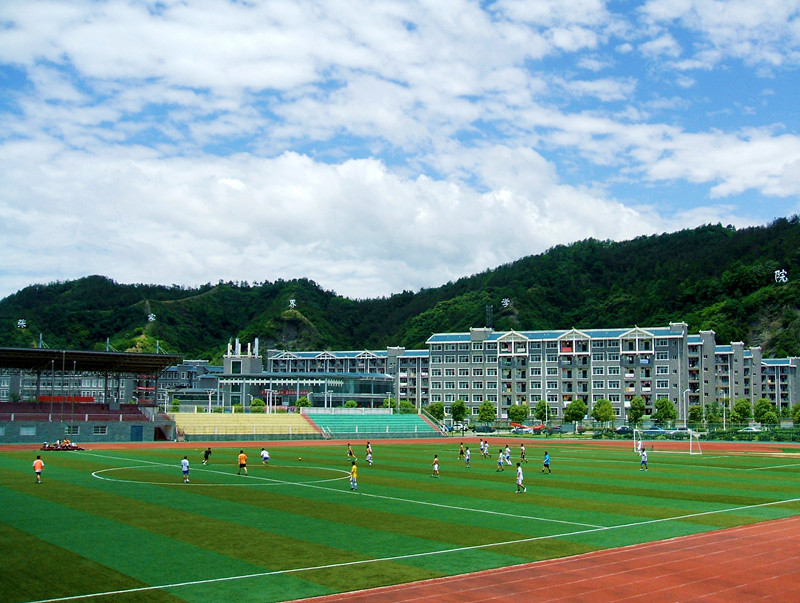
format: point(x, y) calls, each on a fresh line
point(713, 277)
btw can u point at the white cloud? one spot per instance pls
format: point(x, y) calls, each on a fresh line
point(376, 147)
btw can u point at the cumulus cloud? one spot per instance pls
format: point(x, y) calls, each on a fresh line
point(377, 147)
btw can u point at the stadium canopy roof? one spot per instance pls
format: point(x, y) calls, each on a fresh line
point(43, 359)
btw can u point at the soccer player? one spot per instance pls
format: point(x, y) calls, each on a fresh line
point(546, 463)
point(264, 457)
point(522, 453)
point(508, 455)
point(369, 448)
point(38, 467)
point(643, 463)
point(185, 469)
point(435, 465)
point(520, 486)
point(369, 458)
point(353, 476)
point(500, 460)
point(466, 457)
point(206, 454)
point(350, 455)
point(461, 451)
point(242, 463)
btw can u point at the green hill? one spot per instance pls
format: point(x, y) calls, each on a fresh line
point(713, 277)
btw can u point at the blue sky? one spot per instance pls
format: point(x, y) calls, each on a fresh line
point(376, 147)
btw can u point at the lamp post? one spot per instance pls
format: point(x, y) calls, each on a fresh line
point(210, 392)
point(686, 407)
point(547, 406)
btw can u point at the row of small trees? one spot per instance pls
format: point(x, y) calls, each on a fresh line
point(664, 412)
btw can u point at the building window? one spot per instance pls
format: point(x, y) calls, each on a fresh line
point(100, 430)
point(72, 430)
point(27, 431)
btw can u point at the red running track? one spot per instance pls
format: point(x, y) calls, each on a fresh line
point(755, 562)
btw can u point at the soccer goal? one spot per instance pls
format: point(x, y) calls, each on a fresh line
point(645, 439)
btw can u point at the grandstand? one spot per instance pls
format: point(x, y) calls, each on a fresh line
point(340, 425)
point(244, 426)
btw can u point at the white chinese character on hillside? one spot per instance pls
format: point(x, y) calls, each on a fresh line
point(151, 317)
point(292, 303)
point(781, 276)
point(22, 323)
point(506, 302)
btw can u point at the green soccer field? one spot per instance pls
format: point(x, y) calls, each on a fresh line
point(122, 525)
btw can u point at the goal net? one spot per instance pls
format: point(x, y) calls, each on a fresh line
point(647, 439)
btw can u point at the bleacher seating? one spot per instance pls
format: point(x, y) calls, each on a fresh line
point(231, 425)
point(67, 411)
point(373, 425)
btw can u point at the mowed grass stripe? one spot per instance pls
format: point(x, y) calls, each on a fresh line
point(39, 573)
point(147, 557)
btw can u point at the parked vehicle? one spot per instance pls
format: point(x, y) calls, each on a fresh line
point(484, 429)
point(624, 429)
point(750, 429)
point(524, 429)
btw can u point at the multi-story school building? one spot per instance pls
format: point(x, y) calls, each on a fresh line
point(523, 367)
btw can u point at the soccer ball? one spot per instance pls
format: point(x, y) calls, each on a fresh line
point(299, 458)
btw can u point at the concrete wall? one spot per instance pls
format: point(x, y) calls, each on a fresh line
point(24, 432)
